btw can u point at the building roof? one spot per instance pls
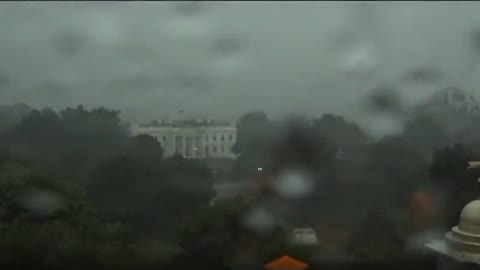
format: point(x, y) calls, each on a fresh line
point(286, 262)
point(442, 247)
point(186, 123)
point(463, 241)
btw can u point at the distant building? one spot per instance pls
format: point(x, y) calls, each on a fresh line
point(192, 139)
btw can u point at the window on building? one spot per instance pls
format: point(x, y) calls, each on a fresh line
point(222, 138)
point(214, 137)
point(214, 150)
point(164, 138)
point(230, 137)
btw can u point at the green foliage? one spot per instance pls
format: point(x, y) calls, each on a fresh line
point(255, 137)
point(449, 172)
point(67, 141)
point(401, 167)
point(76, 191)
point(377, 237)
point(426, 134)
point(344, 134)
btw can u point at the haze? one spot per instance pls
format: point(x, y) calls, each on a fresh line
point(219, 60)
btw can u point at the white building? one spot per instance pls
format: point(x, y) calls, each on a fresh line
point(192, 139)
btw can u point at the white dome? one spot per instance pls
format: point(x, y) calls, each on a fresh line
point(470, 218)
point(466, 236)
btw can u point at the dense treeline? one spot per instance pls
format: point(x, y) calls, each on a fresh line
point(77, 191)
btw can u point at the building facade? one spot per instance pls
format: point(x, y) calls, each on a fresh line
point(192, 139)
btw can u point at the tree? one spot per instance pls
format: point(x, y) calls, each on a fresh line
point(10, 115)
point(343, 134)
point(68, 142)
point(216, 237)
point(449, 172)
point(145, 149)
point(152, 196)
point(426, 134)
point(401, 167)
point(255, 136)
point(250, 127)
point(301, 147)
point(36, 208)
point(377, 237)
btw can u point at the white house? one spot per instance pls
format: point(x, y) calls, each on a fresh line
point(192, 139)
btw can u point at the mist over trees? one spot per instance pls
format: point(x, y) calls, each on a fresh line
point(111, 200)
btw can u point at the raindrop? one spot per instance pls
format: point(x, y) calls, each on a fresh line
point(69, 42)
point(424, 74)
point(384, 99)
point(384, 125)
point(51, 88)
point(104, 29)
point(41, 203)
point(475, 40)
point(188, 8)
point(227, 45)
point(359, 61)
point(5, 80)
point(143, 82)
point(294, 184)
point(417, 242)
point(194, 82)
point(259, 219)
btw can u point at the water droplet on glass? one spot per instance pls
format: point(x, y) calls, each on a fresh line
point(358, 61)
point(189, 28)
point(227, 45)
point(382, 125)
point(384, 99)
point(104, 29)
point(294, 184)
point(188, 8)
point(5, 80)
point(424, 74)
point(475, 40)
point(259, 219)
point(41, 203)
point(69, 42)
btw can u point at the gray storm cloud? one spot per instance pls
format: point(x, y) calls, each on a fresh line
point(219, 60)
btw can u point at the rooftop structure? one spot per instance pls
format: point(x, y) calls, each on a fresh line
point(460, 249)
point(286, 262)
point(184, 123)
point(191, 138)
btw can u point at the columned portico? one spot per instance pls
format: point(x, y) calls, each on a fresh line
point(193, 140)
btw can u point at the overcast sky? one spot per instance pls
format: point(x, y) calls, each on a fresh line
point(219, 60)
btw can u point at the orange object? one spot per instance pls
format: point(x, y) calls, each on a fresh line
point(286, 262)
point(423, 209)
